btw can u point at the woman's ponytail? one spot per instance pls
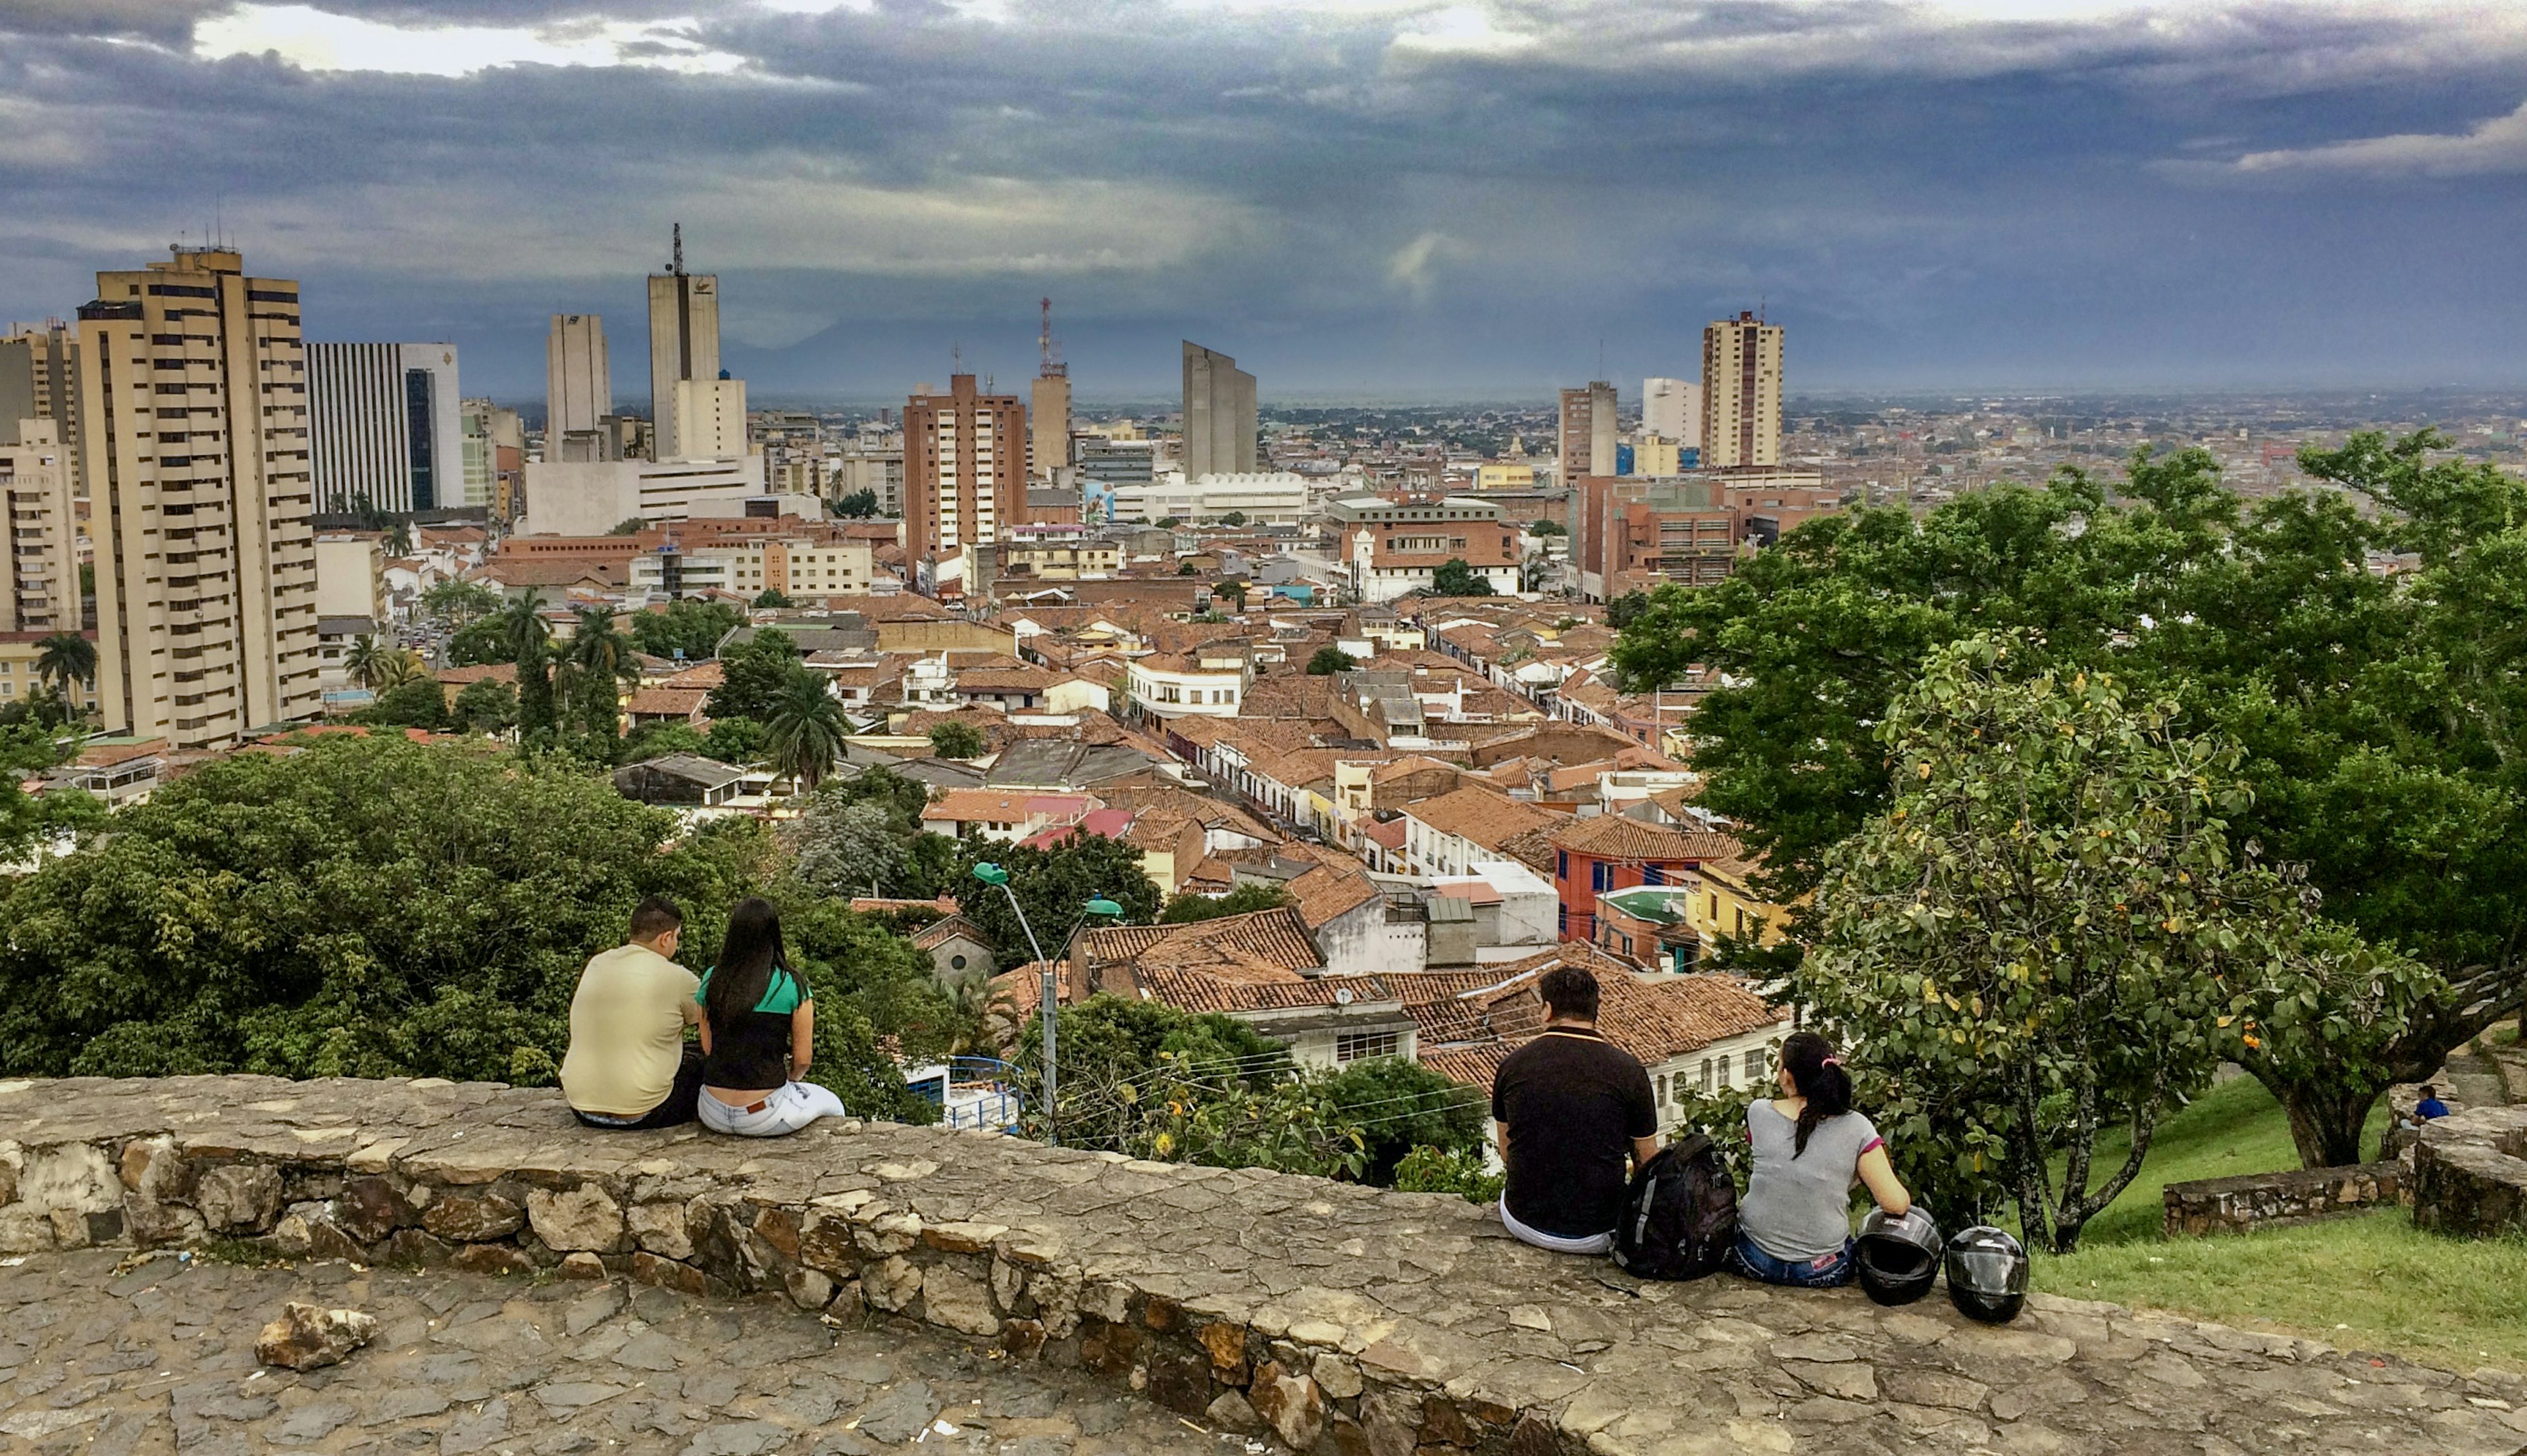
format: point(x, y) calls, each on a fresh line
point(1818, 1074)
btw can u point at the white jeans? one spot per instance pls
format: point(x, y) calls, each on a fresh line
point(786, 1109)
point(1595, 1243)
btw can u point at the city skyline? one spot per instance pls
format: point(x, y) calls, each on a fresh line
point(1356, 199)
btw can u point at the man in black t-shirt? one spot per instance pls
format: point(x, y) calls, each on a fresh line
point(1570, 1105)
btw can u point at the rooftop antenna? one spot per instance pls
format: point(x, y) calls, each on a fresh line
point(676, 266)
point(1053, 366)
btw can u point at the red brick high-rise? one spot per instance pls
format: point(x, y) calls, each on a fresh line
point(964, 469)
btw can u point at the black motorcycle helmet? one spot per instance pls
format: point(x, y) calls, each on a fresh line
point(1898, 1258)
point(1986, 1275)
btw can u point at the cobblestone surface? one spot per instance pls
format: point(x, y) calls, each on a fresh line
point(1343, 1321)
point(159, 1358)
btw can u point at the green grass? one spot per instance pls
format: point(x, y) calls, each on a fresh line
point(2364, 1282)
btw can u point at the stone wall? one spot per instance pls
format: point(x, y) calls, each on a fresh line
point(2470, 1173)
point(1343, 1321)
point(2295, 1195)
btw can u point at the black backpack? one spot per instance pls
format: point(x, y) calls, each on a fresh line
point(1680, 1215)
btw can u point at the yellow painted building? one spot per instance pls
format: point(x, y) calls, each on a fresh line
point(1504, 478)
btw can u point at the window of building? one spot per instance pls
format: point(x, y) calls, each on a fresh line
point(1755, 1068)
point(1706, 1074)
point(1601, 876)
point(955, 962)
point(1662, 1089)
point(1565, 926)
point(1562, 864)
point(1361, 1046)
point(1653, 874)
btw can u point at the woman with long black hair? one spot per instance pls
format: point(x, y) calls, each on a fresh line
point(1794, 1224)
point(758, 1034)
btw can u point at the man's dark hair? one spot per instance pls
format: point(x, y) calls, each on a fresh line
point(2429, 1090)
point(1569, 991)
point(655, 916)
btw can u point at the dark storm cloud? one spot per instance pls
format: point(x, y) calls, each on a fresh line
point(1459, 196)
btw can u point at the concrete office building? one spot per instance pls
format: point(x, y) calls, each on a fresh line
point(684, 350)
point(1672, 409)
point(193, 426)
point(1587, 431)
point(1263, 497)
point(590, 497)
point(386, 426)
point(964, 468)
point(1049, 428)
point(1741, 393)
point(43, 590)
point(1218, 415)
point(579, 379)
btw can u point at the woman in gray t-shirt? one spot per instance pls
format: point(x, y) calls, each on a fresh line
point(1794, 1224)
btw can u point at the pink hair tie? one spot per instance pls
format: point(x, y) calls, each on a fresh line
point(1831, 1062)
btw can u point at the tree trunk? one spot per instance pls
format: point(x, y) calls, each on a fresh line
point(2325, 1122)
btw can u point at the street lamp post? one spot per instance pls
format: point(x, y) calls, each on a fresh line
point(1050, 998)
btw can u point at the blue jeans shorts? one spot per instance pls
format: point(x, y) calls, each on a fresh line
point(1818, 1273)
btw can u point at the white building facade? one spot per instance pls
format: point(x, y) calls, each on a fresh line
point(386, 426)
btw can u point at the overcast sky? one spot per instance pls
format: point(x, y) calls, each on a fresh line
point(1355, 197)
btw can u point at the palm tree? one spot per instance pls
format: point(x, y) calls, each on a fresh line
point(400, 537)
point(396, 669)
point(522, 624)
point(603, 659)
point(804, 732)
point(64, 658)
point(365, 659)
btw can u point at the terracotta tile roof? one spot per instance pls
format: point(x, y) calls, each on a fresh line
point(1016, 678)
point(1483, 815)
point(662, 702)
point(701, 675)
point(968, 805)
point(1615, 836)
point(1154, 829)
point(1210, 812)
point(1277, 937)
point(1325, 893)
point(1474, 1065)
point(1389, 833)
point(940, 931)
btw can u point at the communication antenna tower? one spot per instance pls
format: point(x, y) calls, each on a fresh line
point(1053, 366)
point(676, 264)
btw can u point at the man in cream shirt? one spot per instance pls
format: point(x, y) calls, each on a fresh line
point(629, 1065)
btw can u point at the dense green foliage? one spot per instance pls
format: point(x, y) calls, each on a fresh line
point(804, 730)
point(860, 505)
point(484, 640)
point(1398, 1106)
point(375, 907)
point(1453, 577)
point(1186, 908)
point(2380, 714)
point(960, 740)
point(2049, 932)
point(769, 597)
point(753, 675)
point(1329, 660)
point(1427, 1169)
point(489, 706)
point(1054, 884)
point(455, 602)
point(420, 703)
point(688, 627)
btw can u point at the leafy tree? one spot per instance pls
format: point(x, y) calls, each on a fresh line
point(1543, 527)
point(753, 676)
point(1427, 1169)
point(735, 740)
point(482, 643)
point(902, 798)
point(860, 505)
point(1118, 1053)
point(1398, 1106)
point(804, 730)
point(1453, 577)
point(1186, 568)
point(2050, 932)
point(954, 739)
point(2377, 713)
point(529, 643)
point(689, 627)
point(1054, 884)
point(847, 848)
point(1169, 522)
point(771, 598)
point(602, 662)
point(65, 657)
point(1627, 609)
point(398, 669)
point(1244, 899)
point(487, 706)
point(418, 702)
point(455, 602)
point(658, 740)
point(1329, 660)
point(1233, 518)
point(1232, 591)
point(630, 525)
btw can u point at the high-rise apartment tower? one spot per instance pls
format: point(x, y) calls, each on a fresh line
point(964, 468)
point(384, 427)
point(579, 379)
point(1049, 401)
point(1218, 415)
point(192, 425)
point(1587, 431)
point(41, 594)
point(1741, 393)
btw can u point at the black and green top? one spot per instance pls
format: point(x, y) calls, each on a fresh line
point(755, 1053)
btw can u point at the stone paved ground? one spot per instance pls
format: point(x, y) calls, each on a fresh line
point(159, 1358)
